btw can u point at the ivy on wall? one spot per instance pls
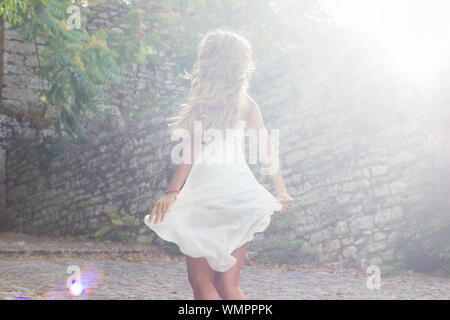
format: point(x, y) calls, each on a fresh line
point(77, 66)
point(10, 10)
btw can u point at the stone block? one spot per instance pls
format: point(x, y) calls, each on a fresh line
point(350, 252)
point(341, 228)
point(322, 235)
point(361, 223)
point(379, 236)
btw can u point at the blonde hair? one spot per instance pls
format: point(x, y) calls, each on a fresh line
point(219, 82)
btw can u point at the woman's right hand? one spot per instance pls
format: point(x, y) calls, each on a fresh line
point(162, 206)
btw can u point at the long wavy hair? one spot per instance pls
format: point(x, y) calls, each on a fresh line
point(219, 82)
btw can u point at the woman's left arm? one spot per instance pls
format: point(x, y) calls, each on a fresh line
point(256, 122)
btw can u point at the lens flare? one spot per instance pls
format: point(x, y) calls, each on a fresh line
point(76, 289)
point(411, 36)
point(89, 279)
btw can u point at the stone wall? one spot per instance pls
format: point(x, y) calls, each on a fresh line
point(17, 61)
point(20, 60)
point(349, 133)
point(2, 134)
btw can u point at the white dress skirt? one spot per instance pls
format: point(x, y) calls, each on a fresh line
point(221, 205)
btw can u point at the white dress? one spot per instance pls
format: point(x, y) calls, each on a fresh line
point(221, 205)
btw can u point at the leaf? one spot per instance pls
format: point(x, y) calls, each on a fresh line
point(102, 231)
point(47, 114)
point(128, 220)
point(117, 222)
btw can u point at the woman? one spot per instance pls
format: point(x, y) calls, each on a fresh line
point(221, 206)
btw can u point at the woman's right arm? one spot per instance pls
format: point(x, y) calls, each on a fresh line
point(179, 176)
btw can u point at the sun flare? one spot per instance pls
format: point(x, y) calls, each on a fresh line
point(412, 36)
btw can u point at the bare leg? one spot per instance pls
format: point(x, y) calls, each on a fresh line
point(227, 283)
point(200, 276)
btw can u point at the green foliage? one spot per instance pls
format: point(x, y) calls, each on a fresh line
point(50, 147)
point(10, 10)
point(115, 228)
point(78, 66)
point(444, 270)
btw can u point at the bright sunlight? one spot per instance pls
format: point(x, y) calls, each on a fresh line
point(412, 36)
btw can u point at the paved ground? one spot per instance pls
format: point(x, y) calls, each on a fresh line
point(36, 268)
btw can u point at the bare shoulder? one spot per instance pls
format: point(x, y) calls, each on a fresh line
point(250, 108)
point(253, 114)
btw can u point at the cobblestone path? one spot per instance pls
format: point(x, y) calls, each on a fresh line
point(37, 268)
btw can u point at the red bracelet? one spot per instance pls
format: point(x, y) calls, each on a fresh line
point(173, 190)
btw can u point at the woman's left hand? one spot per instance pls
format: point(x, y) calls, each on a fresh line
point(285, 200)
